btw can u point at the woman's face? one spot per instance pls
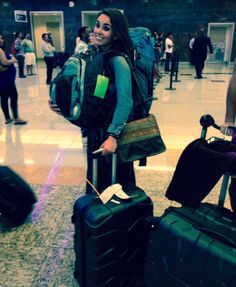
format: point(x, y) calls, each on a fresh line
point(46, 38)
point(1, 40)
point(92, 39)
point(103, 30)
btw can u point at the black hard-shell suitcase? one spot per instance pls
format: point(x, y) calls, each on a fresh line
point(110, 240)
point(16, 196)
point(192, 247)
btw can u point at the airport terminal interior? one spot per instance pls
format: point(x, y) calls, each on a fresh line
point(49, 154)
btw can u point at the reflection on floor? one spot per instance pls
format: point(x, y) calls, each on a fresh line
point(48, 153)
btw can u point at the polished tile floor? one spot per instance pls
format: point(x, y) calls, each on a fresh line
point(48, 153)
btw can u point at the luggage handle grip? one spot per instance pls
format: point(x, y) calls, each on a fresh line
point(216, 234)
point(97, 153)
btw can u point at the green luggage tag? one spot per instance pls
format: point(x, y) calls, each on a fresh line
point(101, 86)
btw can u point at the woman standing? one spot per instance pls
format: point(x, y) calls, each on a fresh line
point(111, 33)
point(30, 61)
point(8, 87)
point(19, 53)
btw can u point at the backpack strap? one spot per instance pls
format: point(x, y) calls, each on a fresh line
point(107, 56)
point(134, 76)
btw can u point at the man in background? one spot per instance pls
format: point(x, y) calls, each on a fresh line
point(82, 40)
point(199, 52)
point(169, 46)
point(48, 53)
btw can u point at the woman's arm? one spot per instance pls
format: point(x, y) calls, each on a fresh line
point(47, 47)
point(4, 61)
point(124, 102)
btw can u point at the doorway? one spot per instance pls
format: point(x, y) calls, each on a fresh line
point(89, 18)
point(43, 21)
point(221, 35)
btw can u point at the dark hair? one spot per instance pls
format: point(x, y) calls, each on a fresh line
point(121, 39)
point(3, 46)
point(202, 31)
point(17, 34)
point(81, 31)
point(43, 35)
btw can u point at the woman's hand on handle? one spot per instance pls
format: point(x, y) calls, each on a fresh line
point(109, 146)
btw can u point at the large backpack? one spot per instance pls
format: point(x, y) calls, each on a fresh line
point(73, 90)
point(143, 71)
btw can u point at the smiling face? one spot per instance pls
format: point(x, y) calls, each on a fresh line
point(103, 30)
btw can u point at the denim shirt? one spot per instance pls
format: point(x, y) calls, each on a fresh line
point(124, 102)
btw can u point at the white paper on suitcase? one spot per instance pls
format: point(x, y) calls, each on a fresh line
point(114, 189)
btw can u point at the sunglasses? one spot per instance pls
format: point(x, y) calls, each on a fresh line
point(105, 27)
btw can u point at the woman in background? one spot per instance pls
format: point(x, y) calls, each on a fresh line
point(8, 87)
point(30, 61)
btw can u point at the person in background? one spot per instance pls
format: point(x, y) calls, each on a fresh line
point(82, 40)
point(48, 53)
point(111, 33)
point(230, 115)
point(199, 52)
point(19, 53)
point(158, 45)
point(28, 48)
point(92, 42)
point(8, 89)
point(190, 47)
point(169, 46)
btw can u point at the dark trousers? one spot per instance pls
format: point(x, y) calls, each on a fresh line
point(21, 63)
point(6, 94)
point(199, 66)
point(49, 64)
point(232, 194)
point(167, 61)
point(125, 171)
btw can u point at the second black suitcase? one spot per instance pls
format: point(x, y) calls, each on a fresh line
point(110, 240)
point(192, 248)
point(17, 198)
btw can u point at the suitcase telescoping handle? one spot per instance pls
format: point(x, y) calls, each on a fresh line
point(95, 167)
